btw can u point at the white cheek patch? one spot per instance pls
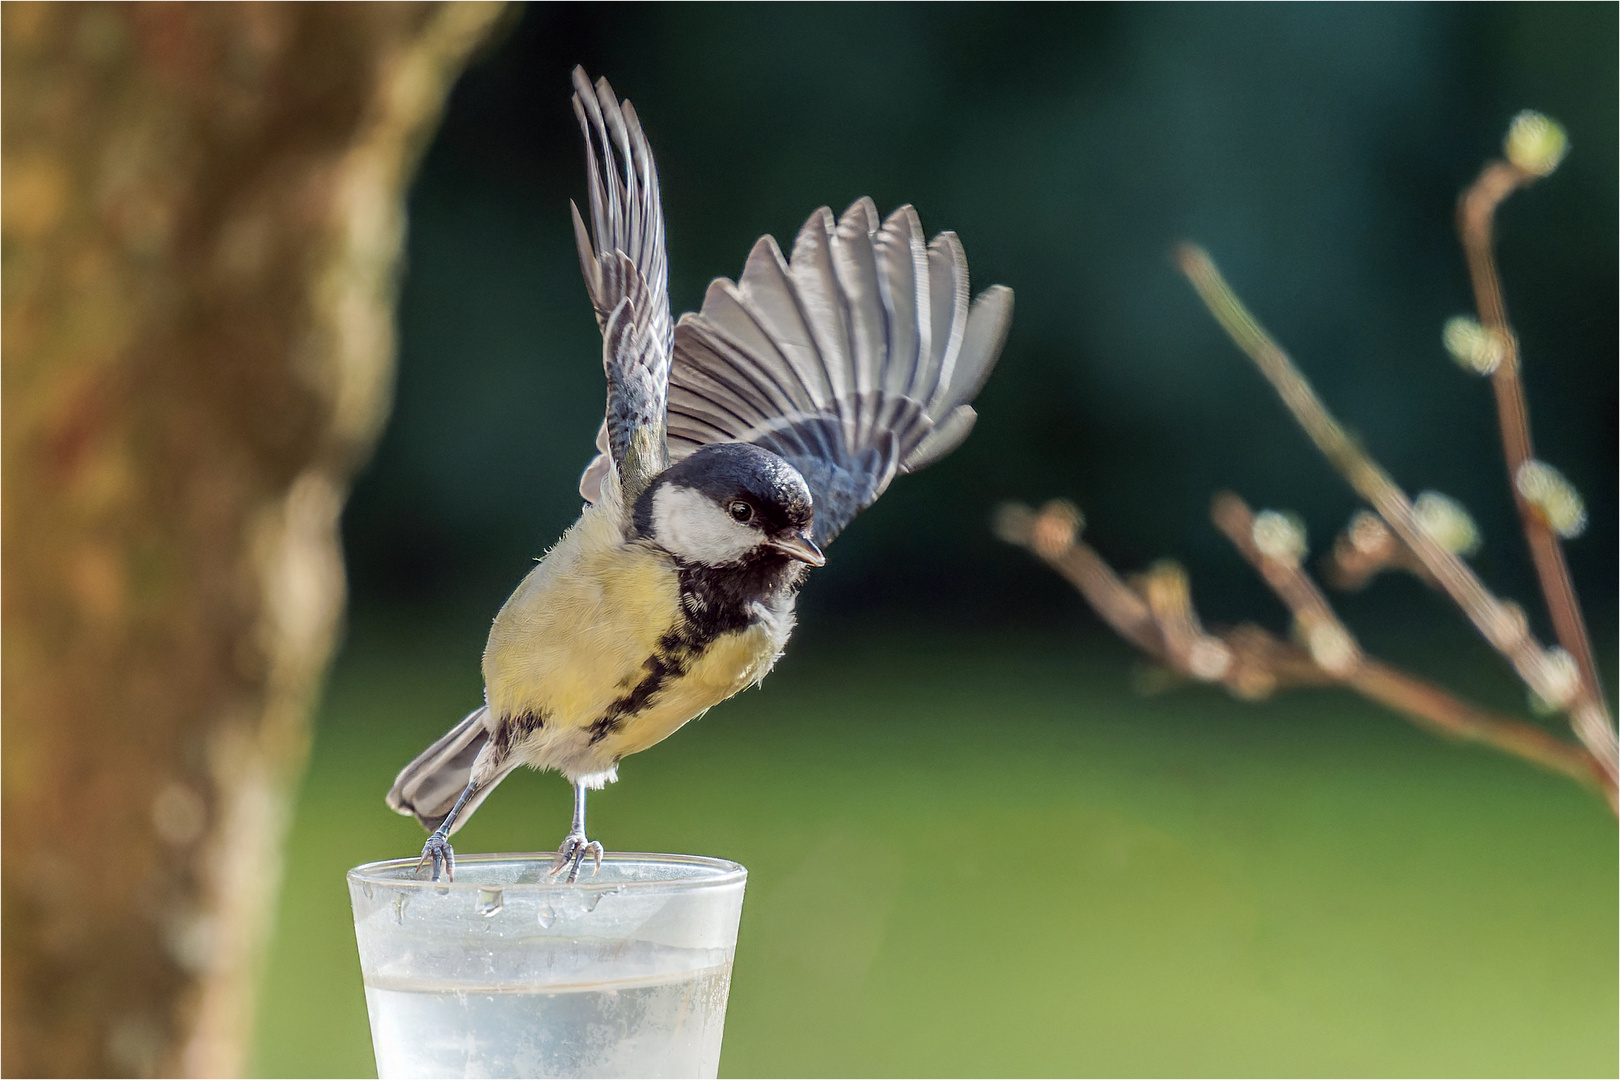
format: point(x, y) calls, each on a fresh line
point(687, 523)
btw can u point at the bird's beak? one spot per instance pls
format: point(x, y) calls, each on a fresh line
point(799, 546)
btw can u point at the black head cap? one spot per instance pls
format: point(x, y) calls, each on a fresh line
point(730, 471)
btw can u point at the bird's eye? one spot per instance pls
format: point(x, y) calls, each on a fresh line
point(740, 512)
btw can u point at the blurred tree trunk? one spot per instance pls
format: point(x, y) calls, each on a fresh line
point(202, 224)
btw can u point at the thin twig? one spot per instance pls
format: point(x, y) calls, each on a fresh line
point(1154, 610)
point(1052, 535)
point(1502, 624)
point(1434, 708)
point(1336, 651)
point(1366, 548)
point(1156, 616)
point(1476, 219)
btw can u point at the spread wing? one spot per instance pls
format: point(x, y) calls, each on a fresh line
point(622, 257)
point(856, 360)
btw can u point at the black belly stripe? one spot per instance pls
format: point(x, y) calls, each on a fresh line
point(514, 729)
point(714, 601)
point(660, 668)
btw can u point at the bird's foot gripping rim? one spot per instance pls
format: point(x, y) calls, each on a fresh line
point(572, 853)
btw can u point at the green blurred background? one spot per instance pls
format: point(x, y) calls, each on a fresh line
point(974, 848)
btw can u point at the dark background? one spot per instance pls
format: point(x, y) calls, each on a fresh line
point(974, 848)
point(1317, 151)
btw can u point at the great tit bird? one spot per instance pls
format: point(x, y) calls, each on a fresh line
point(737, 444)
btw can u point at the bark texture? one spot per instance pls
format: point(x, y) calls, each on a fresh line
point(201, 230)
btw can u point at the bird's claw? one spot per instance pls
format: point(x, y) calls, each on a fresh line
point(438, 849)
point(572, 853)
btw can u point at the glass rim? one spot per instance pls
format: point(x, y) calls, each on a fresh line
point(378, 873)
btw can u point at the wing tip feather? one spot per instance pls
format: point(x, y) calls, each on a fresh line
point(863, 213)
point(978, 329)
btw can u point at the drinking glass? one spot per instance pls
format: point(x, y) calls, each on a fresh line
point(508, 971)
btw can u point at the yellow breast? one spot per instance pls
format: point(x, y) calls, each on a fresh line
point(578, 629)
point(730, 664)
point(576, 637)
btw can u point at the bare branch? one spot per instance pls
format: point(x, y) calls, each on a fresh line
point(1155, 613)
point(1336, 651)
point(1432, 707)
point(1502, 624)
point(1476, 217)
point(1054, 536)
point(1367, 548)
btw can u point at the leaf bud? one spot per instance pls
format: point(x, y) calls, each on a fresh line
point(1475, 348)
point(1332, 648)
point(1056, 528)
point(1535, 143)
point(1559, 681)
point(1554, 497)
point(1279, 536)
point(1209, 659)
point(1368, 534)
point(1446, 523)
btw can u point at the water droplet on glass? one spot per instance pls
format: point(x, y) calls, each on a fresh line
point(489, 902)
point(400, 900)
point(596, 898)
point(365, 887)
point(548, 917)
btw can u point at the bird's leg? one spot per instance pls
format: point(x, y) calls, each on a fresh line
point(575, 846)
point(438, 847)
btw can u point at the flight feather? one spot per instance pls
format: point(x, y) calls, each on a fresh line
point(622, 258)
point(855, 360)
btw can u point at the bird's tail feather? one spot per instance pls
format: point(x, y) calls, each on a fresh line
point(429, 786)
